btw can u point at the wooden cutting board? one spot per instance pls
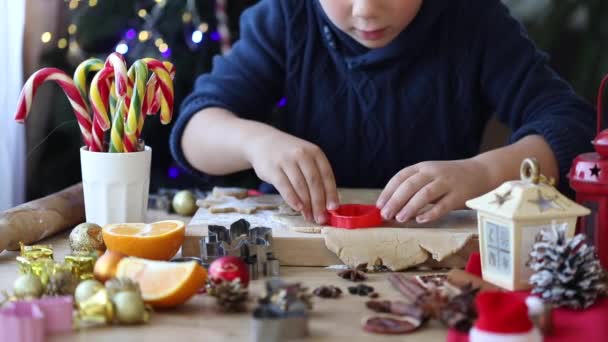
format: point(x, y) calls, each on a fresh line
point(305, 249)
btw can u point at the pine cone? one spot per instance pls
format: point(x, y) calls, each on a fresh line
point(62, 283)
point(231, 297)
point(115, 285)
point(567, 272)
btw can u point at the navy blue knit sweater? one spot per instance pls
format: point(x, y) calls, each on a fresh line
point(425, 96)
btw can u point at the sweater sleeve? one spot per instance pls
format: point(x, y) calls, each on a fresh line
point(527, 94)
point(248, 81)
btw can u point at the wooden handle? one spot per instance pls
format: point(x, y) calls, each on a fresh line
point(33, 221)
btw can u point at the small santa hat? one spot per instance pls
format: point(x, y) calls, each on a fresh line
point(502, 317)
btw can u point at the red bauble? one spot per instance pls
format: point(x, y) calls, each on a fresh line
point(229, 268)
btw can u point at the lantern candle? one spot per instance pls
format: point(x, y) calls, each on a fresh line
point(510, 218)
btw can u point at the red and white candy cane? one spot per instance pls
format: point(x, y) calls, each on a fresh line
point(117, 62)
point(165, 83)
point(71, 91)
point(222, 26)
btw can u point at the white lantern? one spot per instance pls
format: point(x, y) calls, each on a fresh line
point(510, 217)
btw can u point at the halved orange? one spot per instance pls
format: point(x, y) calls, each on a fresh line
point(157, 241)
point(164, 284)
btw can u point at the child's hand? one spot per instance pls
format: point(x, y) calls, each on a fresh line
point(298, 169)
point(447, 184)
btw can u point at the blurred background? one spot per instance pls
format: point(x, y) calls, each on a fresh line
point(44, 158)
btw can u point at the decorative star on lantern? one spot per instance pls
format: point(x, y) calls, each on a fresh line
point(501, 199)
point(595, 170)
point(545, 203)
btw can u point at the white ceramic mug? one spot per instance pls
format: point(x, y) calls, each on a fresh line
point(115, 185)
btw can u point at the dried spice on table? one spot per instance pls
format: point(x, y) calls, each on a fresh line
point(230, 295)
point(327, 292)
point(361, 290)
point(354, 274)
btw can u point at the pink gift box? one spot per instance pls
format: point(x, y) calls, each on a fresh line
point(57, 313)
point(22, 322)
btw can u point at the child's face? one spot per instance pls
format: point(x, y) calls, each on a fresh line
point(372, 23)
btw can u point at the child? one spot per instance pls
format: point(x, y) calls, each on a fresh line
point(381, 93)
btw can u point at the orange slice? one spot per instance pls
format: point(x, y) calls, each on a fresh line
point(156, 241)
point(164, 284)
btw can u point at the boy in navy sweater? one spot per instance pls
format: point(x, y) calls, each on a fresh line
point(381, 93)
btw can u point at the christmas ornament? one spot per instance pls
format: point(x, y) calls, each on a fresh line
point(509, 218)
point(35, 252)
point(27, 286)
point(567, 273)
point(96, 309)
point(129, 308)
point(105, 266)
point(86, 289)
point(230, 295)
point(184, 203)
point(589, 178)
point(252, 245)
point(117, 285)
point(61, 283)
point(81, 265)
point(503, 316)
point(86, 237)
point(229, 268)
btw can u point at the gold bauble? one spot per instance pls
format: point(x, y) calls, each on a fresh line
point(129, 307)
point(86, 237)
point(184, 203)
point(87, 289)
point(27, 286)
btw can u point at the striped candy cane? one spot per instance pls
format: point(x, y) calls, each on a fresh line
point(139, 74)
point(71, 91)
point(117, 62)
point(222, 25)
point(166, 88)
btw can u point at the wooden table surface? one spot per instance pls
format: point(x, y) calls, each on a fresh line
point(199, 320)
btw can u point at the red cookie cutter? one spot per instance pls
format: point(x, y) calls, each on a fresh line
point(353, 216)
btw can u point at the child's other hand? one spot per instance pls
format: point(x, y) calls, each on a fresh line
point(298, 169)
point(447, 184)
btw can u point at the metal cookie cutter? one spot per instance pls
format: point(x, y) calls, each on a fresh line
point(253, 245)
point(282, 313)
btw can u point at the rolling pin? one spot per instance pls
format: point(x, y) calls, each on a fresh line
point(33, 221)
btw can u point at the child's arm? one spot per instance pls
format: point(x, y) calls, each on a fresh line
point(449, 184)
point(209, 137)
point(218, 142)
point(549, 121)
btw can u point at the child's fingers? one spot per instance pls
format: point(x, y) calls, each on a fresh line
point(284, 187)
point(393, 184)
point(298, 182)
point(442, 207)
point(329, 182)
point(402, 195)
point(427, 194)
point(315, 187)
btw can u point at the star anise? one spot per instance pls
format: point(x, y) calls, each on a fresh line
point(354, 274)
point(327, 292)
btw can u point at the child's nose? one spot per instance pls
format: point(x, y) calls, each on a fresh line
point(364, 8)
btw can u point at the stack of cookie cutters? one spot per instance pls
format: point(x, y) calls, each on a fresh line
point(281, 314)
point(32, 320)
point(253, 245)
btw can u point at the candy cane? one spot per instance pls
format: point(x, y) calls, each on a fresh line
point(222, 25)
point(166, 89)
point(117, 62)
point(71, 91)
point(139, 74)
point(117, 132)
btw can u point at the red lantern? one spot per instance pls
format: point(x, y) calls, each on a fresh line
point(589, 178)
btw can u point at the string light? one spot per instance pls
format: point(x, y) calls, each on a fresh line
point(92, 3)
point(46, 37)
point(142, 13)
point(72, 29)
point(73, 4)
point(62, 43)
point(143, 36)
point(122, 48)
point(197, 36)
